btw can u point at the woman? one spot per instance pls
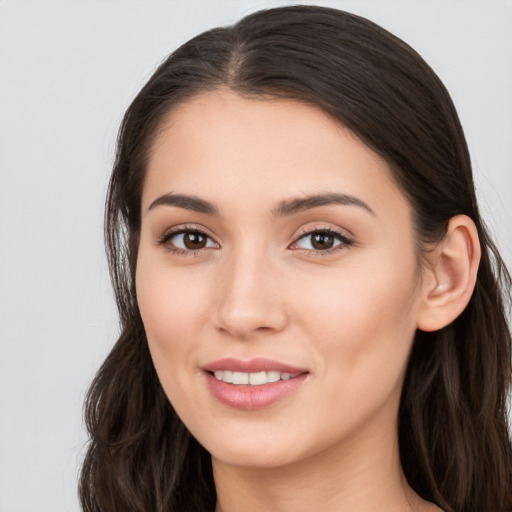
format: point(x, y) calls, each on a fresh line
point(312, 311)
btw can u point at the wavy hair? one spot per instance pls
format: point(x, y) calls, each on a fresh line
point(454, 441)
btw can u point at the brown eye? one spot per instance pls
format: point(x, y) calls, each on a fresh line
point(322, 241)
point(187, 241)
point(194, 240)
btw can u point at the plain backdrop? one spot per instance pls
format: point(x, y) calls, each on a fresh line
point(68, 70)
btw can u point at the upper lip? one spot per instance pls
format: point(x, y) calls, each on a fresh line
point(259, 364)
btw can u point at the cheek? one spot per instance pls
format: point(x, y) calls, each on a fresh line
point(171, 313)
point(364, 320)
point(172, 308)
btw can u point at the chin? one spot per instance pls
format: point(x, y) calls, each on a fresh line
point(252, 451)
point(253, 459)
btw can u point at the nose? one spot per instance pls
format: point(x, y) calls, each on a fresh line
point(250, 300)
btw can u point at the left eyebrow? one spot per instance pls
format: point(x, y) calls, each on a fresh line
point(291, 206)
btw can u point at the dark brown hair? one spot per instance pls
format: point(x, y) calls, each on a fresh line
point(454, 441)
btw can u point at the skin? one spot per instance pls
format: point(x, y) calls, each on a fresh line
point(260, 290)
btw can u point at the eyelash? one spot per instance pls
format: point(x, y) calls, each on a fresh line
point(167, 237)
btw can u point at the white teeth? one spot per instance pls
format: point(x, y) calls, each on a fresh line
point(240, 378)
point(273, 376)
point(254, 379)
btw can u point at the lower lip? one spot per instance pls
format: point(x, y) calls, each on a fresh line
point(253, 397)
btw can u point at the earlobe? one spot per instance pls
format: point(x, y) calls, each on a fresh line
point(451, 275)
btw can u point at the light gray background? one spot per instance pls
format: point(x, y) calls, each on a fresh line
point(67, 72)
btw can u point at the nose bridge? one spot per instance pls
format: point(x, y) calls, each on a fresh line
point(249, 298)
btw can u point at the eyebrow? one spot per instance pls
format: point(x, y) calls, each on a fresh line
point(291, 206)
point(187, 202)
point(284, 208)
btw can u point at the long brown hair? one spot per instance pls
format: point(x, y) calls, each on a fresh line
point(454, 441)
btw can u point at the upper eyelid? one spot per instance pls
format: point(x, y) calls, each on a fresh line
point(343, 233)
point(176, 230)
point(344, 239)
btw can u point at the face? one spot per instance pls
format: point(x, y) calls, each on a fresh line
point(276, 278)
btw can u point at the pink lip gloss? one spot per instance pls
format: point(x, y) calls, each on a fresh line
point(253, 384)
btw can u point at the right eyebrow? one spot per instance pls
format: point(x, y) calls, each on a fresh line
point(187, 202)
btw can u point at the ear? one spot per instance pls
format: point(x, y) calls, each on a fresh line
point(450, 278)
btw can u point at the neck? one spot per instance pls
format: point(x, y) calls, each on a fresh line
point(360, 474)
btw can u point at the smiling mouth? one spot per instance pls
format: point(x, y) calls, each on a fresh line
point(252, 384)
point(252, 379)
point(253, 390)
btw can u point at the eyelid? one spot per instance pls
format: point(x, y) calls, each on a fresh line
point(329, 228)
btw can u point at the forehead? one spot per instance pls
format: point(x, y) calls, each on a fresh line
point(227, 147)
